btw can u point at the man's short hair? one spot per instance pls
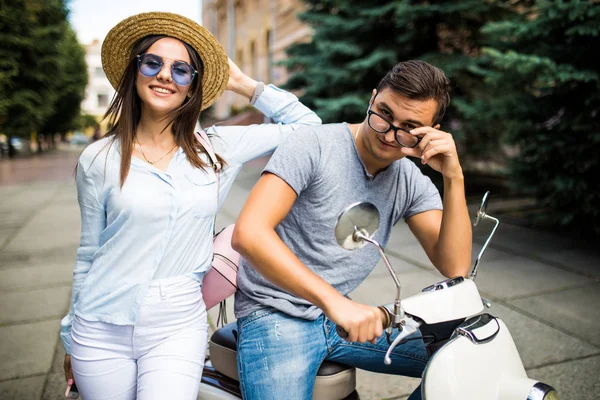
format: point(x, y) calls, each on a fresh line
point(419, 80)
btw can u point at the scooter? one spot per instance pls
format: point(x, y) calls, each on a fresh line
point(472, 354)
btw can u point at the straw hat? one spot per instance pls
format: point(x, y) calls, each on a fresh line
point(116, 48)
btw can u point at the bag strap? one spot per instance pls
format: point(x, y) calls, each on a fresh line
point(203, 139)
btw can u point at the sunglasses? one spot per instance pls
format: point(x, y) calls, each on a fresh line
point(150, 65)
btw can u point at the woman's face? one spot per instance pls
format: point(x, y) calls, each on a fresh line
point(159, 93)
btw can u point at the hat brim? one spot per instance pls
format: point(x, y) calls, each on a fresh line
point(116, 48)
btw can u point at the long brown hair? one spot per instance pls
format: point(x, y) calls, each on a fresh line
point(124, 112)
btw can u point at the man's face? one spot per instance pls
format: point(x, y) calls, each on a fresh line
point(382, 148)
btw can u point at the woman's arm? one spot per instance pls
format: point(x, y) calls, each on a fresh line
point(93, 222)
point(239, 144)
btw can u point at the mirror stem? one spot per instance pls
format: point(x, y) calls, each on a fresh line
point(496, 222)
point(358, 235)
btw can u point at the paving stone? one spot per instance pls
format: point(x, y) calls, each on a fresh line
point(374, 386)
point(32, 198)
point(56, 225)
point(55, 387)
point(514, 276)
point(412, 253)
point(537, 343)
point(58, 255)
point(401, 235)
point(58, 358)
point(24, 388)
point(575, 311)
point(529, 242)
point(585, 261)
point(27, 349)
point(573, 380)
point(399, 266)
point(381, 289)
point(32, 277)
point(34, 304)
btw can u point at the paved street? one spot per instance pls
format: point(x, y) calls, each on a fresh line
point(545, 287)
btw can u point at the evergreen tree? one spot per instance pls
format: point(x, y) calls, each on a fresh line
point(356, 42)
point(545, 95)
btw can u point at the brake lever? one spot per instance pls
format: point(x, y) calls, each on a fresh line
point(411, 326)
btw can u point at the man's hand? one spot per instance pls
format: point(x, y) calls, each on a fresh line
point(239, 82)
point(438, 150)
point(67, 367)
point(363, 323)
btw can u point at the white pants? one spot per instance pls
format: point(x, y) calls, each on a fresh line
point(160, 357)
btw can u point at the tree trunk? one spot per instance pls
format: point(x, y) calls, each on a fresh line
point(11, 149)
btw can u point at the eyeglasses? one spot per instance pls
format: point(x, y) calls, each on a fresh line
point(150, 65)
point(380, 124)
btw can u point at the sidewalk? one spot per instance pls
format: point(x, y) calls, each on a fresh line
point(545, 288)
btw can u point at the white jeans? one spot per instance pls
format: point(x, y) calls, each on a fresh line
point(160, 357)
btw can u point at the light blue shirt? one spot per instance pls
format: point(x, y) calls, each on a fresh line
point(160, 224)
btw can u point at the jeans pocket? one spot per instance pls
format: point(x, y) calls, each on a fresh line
point(256, 315)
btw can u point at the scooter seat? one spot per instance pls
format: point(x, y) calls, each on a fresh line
point(334, 380)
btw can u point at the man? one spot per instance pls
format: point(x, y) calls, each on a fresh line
point(295, 278)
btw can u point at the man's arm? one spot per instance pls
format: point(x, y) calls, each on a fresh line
point(445, 236)
point(255, 238)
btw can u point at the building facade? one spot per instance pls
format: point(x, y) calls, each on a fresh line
point(255, 34)
point(99, 91)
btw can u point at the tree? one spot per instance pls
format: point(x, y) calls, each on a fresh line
point(356, 42)
point(70, 81)
point(43, 70)
point(544, 90)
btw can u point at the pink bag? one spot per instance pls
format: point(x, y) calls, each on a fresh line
point(220, 281)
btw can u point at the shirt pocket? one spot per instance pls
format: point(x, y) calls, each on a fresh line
point(202, 193)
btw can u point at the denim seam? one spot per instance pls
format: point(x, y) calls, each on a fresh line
point(405, 354)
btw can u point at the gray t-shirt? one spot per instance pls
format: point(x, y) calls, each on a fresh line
point(321, 164)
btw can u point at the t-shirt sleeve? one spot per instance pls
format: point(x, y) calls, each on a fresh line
point(297, 160)
point(422, 193)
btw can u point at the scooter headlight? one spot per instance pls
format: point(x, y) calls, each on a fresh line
point(551, 395)
point(541, 391)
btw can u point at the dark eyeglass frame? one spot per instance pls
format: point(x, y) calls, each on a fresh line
point(391, 127)
point(161, 62)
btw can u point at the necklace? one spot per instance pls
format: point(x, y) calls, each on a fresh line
point(358, 131)
point(155, 161)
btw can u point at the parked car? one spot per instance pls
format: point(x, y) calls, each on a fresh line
point(79, 138)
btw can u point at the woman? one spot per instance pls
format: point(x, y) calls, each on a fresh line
point(137, 327)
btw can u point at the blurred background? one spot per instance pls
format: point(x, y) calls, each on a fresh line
point(524, 109)
point(524, 113)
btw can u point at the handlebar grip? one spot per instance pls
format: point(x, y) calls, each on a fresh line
point(341, 332)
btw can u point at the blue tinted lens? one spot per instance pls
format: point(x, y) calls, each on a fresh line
point(182, 73)
point(149, 64)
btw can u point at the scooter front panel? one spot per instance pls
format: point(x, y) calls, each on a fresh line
point(467, 370)
point(461, 300)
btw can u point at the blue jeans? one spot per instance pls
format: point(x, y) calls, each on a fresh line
point(279, 355)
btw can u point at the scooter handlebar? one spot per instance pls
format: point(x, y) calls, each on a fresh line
point(386, 323)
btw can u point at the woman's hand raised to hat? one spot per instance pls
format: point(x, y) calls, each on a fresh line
point(239, 82)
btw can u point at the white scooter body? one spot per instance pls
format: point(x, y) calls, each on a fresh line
point(478, 365)
point(473, 355)
point(441, 302)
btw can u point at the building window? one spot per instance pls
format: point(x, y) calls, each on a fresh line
point(102, 100)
